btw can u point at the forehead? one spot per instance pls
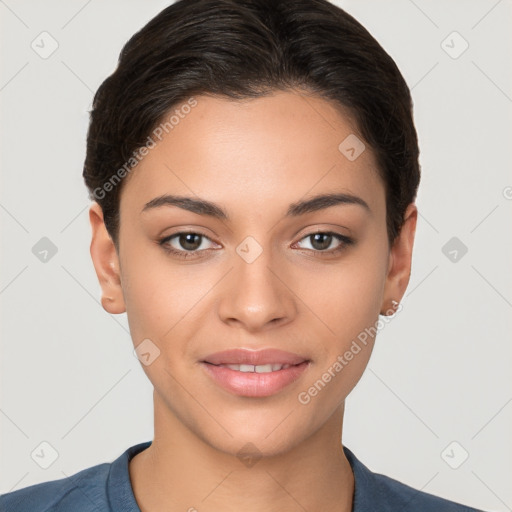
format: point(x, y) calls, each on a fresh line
point(256, 153)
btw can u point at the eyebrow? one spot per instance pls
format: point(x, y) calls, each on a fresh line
point(204, 207)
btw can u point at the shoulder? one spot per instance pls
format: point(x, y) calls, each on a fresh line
point(374, 491)
point(84, 491)
point(90, 490)
point(403, 497)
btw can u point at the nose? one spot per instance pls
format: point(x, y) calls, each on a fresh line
point(256, 295)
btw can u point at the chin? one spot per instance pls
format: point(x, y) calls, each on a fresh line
point(249, 448)
point(267, 436)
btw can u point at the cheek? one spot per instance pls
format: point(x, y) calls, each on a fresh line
point(161, 297)
point(149, 295)
point(349, 314)
point(345, 298)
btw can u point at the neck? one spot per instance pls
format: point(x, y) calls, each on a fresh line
point(180, 471)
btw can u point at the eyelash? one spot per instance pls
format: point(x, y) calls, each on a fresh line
point(345, 242)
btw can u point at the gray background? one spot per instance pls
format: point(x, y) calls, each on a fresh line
point(441, 369)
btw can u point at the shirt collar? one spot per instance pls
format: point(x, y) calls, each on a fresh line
point(119, 487)
point(121, 497)
point(366, 489)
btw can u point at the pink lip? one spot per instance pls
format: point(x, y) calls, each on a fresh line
point(255, 357)
point(251, 384)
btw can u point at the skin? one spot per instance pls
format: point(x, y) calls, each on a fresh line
point(254, 158)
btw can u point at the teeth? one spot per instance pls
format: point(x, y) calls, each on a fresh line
point(260, 368)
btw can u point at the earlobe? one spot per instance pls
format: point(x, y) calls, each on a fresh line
point(399, 270)
point(106, 263)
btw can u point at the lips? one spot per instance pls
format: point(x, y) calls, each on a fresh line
point(254, 357)
point(250, 373)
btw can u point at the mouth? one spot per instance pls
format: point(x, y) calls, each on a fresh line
point(251, 368)
point(254, 373)
point(243, 356)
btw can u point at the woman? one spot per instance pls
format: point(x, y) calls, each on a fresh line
point(253, 167)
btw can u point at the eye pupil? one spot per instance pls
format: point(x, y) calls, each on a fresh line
point(324, 236)
point(187, 243)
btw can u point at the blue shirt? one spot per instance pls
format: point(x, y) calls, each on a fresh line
point(107, 488)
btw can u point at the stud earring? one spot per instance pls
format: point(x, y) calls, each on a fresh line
point(394, 306)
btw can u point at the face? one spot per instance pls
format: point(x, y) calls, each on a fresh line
point(255, 269)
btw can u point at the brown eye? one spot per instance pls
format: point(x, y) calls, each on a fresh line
point(189, 241)
point(322, 242)
point(185, 244)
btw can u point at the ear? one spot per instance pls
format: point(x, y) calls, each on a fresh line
point(400, 258)
point(106, 263)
